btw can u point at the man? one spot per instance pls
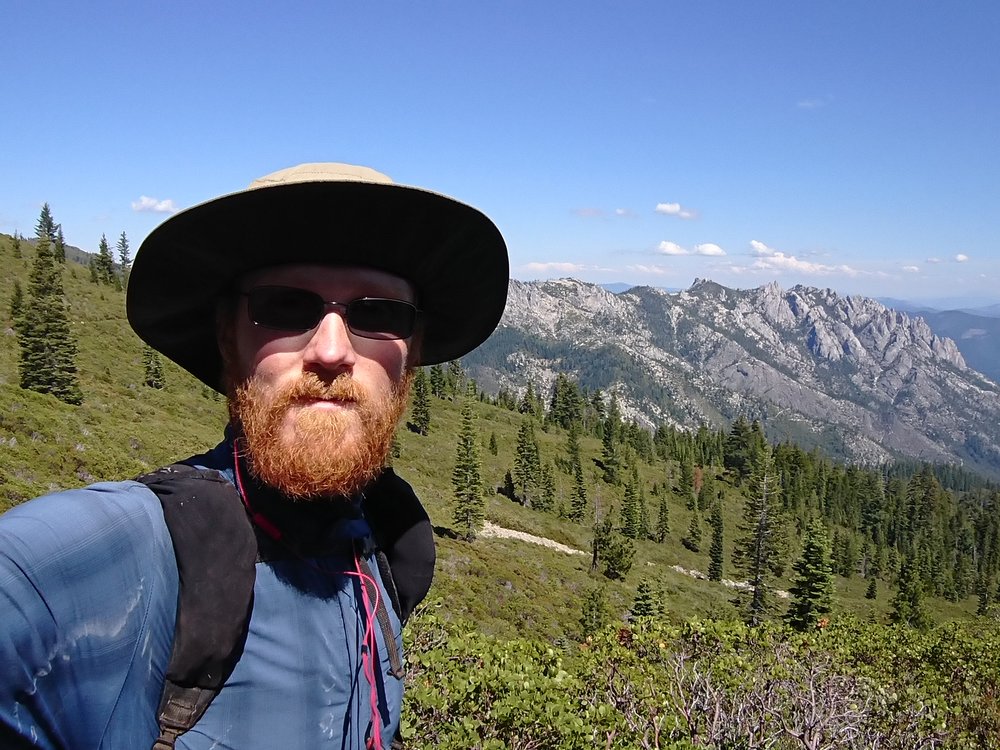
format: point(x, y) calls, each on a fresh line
point(307, 299)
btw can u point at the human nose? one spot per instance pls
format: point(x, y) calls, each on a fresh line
point(330, 345)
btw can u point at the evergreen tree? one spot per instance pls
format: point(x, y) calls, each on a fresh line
point(438, 382)
point(153, 367)
point(104, 265)
point(609, 453)
point(455, 379)
point(707, 491)
point(662, 520)
point(812, 590)
point(618, 552)
point(527, 463)
point(124, 258)
point(48, 350)
point(470, 505)
point(759, 549)
point(692, 539)
point(595, 611)
point(16, 303)
point(908, 603)
point(872, 591)
point(578, 497)
point(59, 248)
point(493, 447)
point(648, 601)
point(573, 445)
point(546, 498)
point(16, 246)
point(716, 551)
point(631, 515)
point(46, 226)
point(686, 484)
point(421, 410)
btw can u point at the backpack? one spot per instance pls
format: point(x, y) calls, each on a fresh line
point(216, 549)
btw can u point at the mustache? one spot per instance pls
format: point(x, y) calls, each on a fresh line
point(341, 388)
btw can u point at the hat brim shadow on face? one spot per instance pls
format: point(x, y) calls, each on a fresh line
point(454, 256)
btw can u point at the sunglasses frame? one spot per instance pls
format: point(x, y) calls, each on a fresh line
point(342, 308)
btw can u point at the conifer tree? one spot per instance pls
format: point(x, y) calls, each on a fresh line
point(16, 245)
point(908, 603)
point(686, 484)
point(526, 462)
point(46, 226)
point(758, 553)
point(59, 247)
point(872, 591)
point(438, 382)
point(104, 265)
point(153, 367)
point(648, 601)
point(573, 444)
point(455, 379)
point(595, 613)
point(578, 497)
point(48, 350)
point(662, 520)
point(124, 258)
point(692, 539)
point(546, 498)
point(631, 522)
point(421, 410)
point(706, 493)
point(716, 551)
point(470, 505)
point(16, 303)
point(609, 453)
point(812, 589)
point(493, 447)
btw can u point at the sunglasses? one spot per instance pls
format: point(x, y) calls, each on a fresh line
point(286, 308)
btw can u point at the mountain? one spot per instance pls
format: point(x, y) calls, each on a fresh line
point(846, 374)
point(976, 335)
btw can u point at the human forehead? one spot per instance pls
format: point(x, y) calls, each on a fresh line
point(333, 283)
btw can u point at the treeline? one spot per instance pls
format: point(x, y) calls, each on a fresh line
point(919, 530)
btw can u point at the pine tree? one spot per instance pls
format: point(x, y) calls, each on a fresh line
point(16, 246)
point(812, 590)
point(692, 539)
point(493, 447)
point(421, 412)
point(686, 484)
point(758, 553)
point(595, 613)
point(104, 265)
point(908, 603)
point(526, 462)
point(662, 520)
point(470, 506)
point(438, 382)
point(46, 226)
point(648, 601)
point(609, 453)
point(153, 367)
point(546, 498)
point(872, 591)
point(48, 350)
point(578, 497)
point(16, 303)
point(124, 258)
point(59, 248)
point(455, 379)
point(631, 515)
point(716, 551)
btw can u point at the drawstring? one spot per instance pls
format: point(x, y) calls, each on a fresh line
point(366, 582)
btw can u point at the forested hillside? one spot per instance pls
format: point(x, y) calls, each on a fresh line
point(685, 537)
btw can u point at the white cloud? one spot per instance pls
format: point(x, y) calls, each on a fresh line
point(814, 102)
point(671, 248)
point(627, 213)
point(655, 270)
point(933, 260)
point(709, 248)
point(147, 204)
point(961, 258)
point(674, 209)
point(770, 259)
point(911, 269)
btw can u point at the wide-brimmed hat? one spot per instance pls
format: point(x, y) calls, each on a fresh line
point(334, 214)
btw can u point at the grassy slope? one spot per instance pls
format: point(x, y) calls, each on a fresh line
point(509, 587)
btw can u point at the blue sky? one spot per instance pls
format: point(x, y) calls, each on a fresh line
point(850, 145)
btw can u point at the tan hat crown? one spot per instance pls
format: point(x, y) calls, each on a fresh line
point(322, 172)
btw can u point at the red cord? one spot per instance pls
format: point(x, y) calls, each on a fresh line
point(369, 643)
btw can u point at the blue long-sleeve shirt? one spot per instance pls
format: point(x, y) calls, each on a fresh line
point(88, 598)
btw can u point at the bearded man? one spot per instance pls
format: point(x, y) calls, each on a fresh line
point(307, 299)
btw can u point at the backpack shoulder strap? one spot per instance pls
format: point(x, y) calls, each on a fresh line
point(216, 550)
point(405, 538)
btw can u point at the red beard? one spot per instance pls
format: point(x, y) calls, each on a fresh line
point(331, 452)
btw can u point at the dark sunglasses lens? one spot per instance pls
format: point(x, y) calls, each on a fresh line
point(285, 308)
point(381, 318)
